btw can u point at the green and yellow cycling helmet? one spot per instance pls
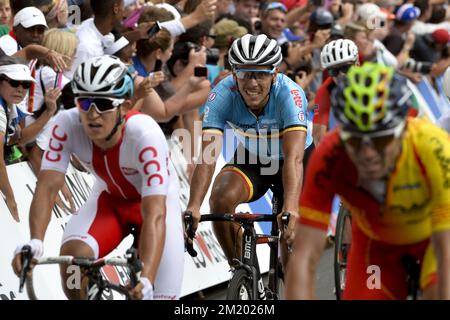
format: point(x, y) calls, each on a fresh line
point(370, 98)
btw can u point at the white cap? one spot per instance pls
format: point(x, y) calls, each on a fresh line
point(29, 17)
point(121, 43)
point(367, 11)
point(19, 72)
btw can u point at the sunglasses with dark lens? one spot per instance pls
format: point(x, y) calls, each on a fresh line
point(247, 74)
point(101, 104)
point(334, 72)
point(378, 141)
point(15, 83)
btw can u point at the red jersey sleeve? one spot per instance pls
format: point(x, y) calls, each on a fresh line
point(319, 189)
point(322, 103)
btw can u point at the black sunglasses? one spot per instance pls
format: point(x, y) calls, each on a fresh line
point(15, 83)
point(334, 72)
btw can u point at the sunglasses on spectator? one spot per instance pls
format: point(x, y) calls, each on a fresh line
point(101, 104)
point(334, 72)
point(257, 74)
point(378, 140)
point(16, 83)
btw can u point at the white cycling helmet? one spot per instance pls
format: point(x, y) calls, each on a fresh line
point(338, 52)
point(446, 84)
point(103, 76)
point(255, 50)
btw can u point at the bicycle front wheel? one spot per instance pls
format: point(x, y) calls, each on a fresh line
point(240, 287)
point(343, 227)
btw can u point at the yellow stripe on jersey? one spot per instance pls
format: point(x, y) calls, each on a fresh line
point(314, 215)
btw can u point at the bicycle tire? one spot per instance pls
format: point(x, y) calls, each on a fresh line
point(340, 265)
point(240, 286)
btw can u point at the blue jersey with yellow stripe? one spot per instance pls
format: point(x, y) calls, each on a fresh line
point(285, 111)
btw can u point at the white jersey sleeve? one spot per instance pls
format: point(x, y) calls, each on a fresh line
point(58, 151)
point(152, 154)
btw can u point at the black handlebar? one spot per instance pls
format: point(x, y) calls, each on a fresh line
point(190, 234)
point(26, 256)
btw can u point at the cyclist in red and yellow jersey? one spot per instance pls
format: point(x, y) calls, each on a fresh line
point(393, 174)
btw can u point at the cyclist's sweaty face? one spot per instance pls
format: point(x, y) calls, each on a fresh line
point(254, 86)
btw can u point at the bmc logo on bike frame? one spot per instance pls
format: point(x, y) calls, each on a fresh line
point(248, 247)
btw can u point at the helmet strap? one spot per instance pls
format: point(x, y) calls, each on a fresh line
point(116, 126)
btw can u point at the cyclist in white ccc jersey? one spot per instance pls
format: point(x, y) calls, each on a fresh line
point(136, 185)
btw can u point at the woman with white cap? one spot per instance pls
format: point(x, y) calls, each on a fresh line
point(15, 80)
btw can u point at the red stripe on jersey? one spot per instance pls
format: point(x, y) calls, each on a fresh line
point(107, 166)
point(98, 162)
point(126, 187)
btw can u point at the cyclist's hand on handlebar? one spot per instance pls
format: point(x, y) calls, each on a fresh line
point(289, 232)
point(195, 218)
point(37, 249)
point(143, 290)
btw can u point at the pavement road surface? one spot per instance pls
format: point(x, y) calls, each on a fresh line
point(324, 282)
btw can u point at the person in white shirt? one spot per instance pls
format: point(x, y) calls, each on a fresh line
point(95, 33)
point(28, 28)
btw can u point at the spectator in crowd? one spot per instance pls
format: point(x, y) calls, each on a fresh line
point(421, 25)
point(58, 14)
point(95, 33)
point(28, 28)
point(226, 32)
point(343, 13)
point(5, 17)
point(405, 17)
point(48, 79)
point(273, 20)
point(247, 8)
point(222, 9)
point(377, 23)
point(131, 7)
point(15, 80)
point(429, 47)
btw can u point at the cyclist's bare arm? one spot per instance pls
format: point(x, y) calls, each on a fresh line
point(441, 247)
point(303, 262)
point(203, 173)
point(319, 131)
point(293, 149)
point(153, 234)
point(48, 185)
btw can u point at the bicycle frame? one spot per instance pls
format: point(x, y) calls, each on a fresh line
point(249, 259)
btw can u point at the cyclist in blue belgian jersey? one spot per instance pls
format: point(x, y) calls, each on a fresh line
point(268, 113)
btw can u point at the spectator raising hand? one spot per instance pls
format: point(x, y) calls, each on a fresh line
point(206, 9)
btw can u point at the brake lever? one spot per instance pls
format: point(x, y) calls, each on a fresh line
point(26, 256)
point(189, 242)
